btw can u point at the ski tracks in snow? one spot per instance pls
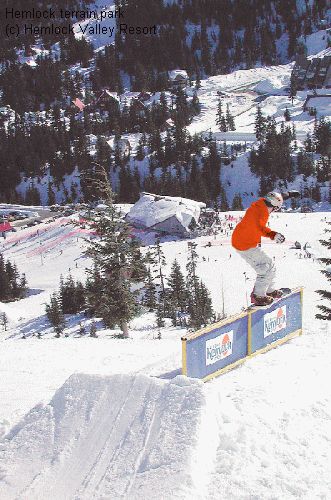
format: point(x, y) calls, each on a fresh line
point(123, 437)
point(133, 436)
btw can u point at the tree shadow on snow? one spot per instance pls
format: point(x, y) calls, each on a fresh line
point(34, 291)
point(32, 327)
point(40, 327)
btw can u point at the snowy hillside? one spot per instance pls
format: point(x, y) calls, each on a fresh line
point(112, 418)
point(86, 411)
point(89, 28)
point(244, 91)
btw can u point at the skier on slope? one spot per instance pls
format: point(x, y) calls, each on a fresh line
point(246, 239)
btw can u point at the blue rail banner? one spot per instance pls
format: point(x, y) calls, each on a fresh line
point(219, 347)
point(281, 319)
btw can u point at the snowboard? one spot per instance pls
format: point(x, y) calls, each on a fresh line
point(285, 292)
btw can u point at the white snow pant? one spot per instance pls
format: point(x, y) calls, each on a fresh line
point(264, 267)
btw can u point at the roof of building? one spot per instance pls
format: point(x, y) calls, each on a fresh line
point(152, 209)
point(321, 102)
point(178, 74)
point(113, 95)
point(122, 142)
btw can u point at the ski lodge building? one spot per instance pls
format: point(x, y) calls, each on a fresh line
point(178, 78)
point(122, 144)
point(165, 214)
point(320, 101)
point(313, 72)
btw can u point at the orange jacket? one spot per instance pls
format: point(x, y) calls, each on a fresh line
point(247, 234)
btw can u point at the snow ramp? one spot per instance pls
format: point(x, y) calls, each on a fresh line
point(115, 437)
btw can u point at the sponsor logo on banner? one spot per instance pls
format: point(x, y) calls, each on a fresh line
point(275, 321)
point(219, 348)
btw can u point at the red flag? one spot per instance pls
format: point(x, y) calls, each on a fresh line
point(77, 102)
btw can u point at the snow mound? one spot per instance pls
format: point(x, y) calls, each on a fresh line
point(274, 84)
point(152, 209)
point(121, 436)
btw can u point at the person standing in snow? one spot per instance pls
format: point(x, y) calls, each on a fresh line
point(246, 239)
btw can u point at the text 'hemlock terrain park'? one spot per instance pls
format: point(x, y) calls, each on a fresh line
point(165, 249)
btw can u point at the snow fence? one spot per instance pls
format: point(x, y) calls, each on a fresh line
point(215, 349)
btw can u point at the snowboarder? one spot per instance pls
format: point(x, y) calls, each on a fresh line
point(246, 239)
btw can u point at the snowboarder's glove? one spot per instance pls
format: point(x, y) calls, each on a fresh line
point(290, 194)
point(279, 238)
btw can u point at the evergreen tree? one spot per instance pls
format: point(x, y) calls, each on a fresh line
point(150, 292)
point(4, 281)
point(177, 295)
point(118, 264)
point(55, 314)
point(72, 295)
point(140, 153)
point(82, 330)
point(293, 88)
point(273, 158)
point(198, 81)
point(237, 203)
point(192, 282)
point(322, 136)
point(308, 143)
point(23, 285)
point(316, 193)
point(224, 206)
point(93, 329)
point(219, 113)
point(4, 321)
point(195, 104)
point(287, 115)
point(305, 164)
point(230, 125)
point(32, 196)
point(50, 194)
point(158, 264)
point(199, 302)
point(12, 285)
point(260, 125)
point(211, 172)
point(205, 312)
point(325, 294)
point(160, 316)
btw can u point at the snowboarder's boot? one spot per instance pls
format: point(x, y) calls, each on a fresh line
point(281, 292)
point(258, 300)
point(276, 294)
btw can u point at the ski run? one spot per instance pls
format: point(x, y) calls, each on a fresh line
point(106, 418)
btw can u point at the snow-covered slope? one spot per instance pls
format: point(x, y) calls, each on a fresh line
point(266, 87)
point(100, 30)
point(253, 433)
point(316, 42)
point(85, 418)
point(106, 437)
point(243, 91)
